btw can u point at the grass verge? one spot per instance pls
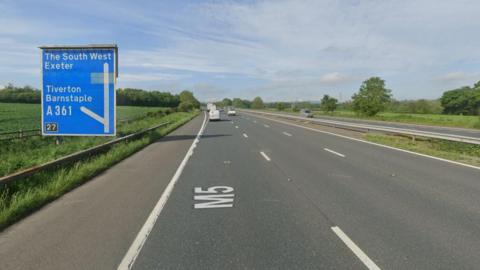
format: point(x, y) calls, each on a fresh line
point(456, 151)
point(23, 197)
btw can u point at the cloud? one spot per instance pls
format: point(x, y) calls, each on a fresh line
point(148, 77)
point(292, 40)
point(458, 76)
point(210, 93)
point(335, 77)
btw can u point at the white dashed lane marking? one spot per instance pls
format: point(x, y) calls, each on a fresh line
point(333, 152)
point(265, 156)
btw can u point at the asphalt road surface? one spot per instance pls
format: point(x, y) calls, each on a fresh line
point(256, 193)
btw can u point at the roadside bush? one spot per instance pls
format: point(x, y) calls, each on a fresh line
point(155, 114)
point(187, 96)
point(185, 106)
point(295, 108)
point(24, 94)
point(280, 106)
point(464, 100)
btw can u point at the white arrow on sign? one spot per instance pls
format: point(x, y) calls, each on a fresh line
point(105, 120)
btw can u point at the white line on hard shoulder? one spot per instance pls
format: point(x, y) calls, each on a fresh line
point(376, 144)
point(267, 126)
point(135, 248)
point(265, 156)
point(333, 152)
point(287, 134)
point(355, 249)
point(245, 135)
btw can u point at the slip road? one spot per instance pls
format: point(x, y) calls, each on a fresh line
point(307, 201)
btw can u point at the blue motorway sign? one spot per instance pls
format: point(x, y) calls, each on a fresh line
point(78, 91)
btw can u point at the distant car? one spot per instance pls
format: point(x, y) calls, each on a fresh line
point(214, 115)
point(306, 113)
point(231, 112)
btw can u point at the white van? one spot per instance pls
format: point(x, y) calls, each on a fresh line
point(210, 106)
point(214, 114)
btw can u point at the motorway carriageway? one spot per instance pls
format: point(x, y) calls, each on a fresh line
point(259, 193)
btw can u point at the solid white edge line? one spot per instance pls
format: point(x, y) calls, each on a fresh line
point(245, 135)
point(265, 156)
point(287, 134)
point(333, 152)
point(132, 253)
point(377, 144)
point(355, 249)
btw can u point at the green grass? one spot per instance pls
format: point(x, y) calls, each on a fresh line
point(461, 121)
point(16, 116)
point(456, 151)
point(23, 197)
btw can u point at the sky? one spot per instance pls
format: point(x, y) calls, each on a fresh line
point(280, 50)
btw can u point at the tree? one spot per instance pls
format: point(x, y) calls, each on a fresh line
point(464, 100)
point(476, 85)
point(26, 94)
point(227, 102)
point(241, 103)
point(236, 102)
point(280, 106)
point(139, 97)
point(304, 105)
point(423, 106)
point(247, 103)
point(295, 107)
point(186, 95)
point(257, 103)
point(328, 104)
point(185, 106)
point(372, 97)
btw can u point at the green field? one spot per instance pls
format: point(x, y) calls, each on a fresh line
point(461, 121)
point(17, 116)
